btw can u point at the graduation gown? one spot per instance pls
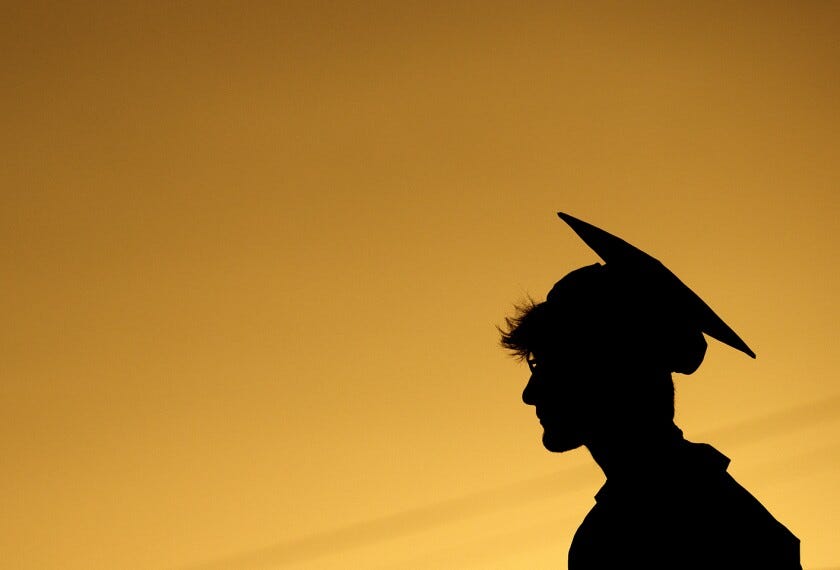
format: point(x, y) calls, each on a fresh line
point(682, 510)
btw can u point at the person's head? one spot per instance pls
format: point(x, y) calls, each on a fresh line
point(601, 348)
point(604, 343)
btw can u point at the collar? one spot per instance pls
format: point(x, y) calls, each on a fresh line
point(686, 460)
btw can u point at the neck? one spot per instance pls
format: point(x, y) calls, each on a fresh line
point(627, 452)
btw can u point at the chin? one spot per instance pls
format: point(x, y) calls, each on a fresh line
point(558, 443)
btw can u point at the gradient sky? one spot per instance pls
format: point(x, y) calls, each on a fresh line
point(253, 257)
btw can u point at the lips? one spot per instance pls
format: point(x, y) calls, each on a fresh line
point(547, 417)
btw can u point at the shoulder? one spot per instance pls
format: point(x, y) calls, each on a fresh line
point(749, 526)
point(706, 513)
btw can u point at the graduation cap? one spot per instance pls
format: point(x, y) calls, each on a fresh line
point(626, 259)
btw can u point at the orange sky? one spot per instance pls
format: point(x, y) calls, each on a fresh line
point(253, 258)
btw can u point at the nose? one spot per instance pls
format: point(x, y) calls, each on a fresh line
point(529, 394)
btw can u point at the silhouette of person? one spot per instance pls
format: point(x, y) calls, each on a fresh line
point(601, 349)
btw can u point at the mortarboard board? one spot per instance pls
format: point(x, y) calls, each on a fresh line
point(621, 256)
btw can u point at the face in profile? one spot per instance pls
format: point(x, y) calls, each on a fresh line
point(601, 351)
point(585, 345)
point(563, 395)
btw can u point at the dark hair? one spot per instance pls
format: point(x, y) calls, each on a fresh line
point(522, 331)
point(583, 312)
